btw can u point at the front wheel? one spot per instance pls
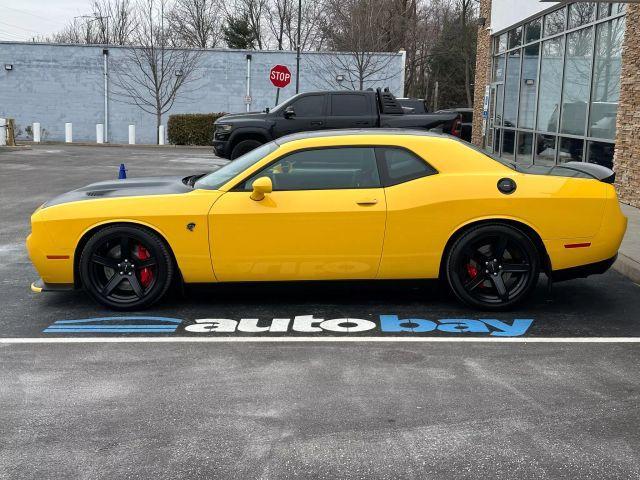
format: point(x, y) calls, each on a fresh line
point(493, 267)
point(245, 146)
point(126, 267)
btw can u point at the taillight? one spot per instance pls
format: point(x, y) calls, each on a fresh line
point(456, 128)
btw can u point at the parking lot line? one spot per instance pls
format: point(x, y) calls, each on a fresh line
point(263, 339)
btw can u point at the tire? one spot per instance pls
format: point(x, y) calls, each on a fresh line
point(243, 147)
point(132, 281)
point(493, 267)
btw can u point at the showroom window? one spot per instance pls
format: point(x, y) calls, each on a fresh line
point(556, 86)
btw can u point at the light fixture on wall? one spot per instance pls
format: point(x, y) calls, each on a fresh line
point(339, 78)
point(529, 82)
point(481, 21)
point(8, 66)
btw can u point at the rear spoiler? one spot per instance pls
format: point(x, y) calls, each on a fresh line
point(571, 169)
point(594, 170)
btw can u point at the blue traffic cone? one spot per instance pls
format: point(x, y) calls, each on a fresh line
point(122, 174)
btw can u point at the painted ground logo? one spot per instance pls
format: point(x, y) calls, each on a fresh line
point(116, 325)
point(383, 325)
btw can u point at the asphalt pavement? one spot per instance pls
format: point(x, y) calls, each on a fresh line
point(309, 402)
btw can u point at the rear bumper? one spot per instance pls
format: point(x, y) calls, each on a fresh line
point(583, 270)
point(40, 286)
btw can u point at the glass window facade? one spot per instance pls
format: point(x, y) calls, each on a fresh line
point(556, 86)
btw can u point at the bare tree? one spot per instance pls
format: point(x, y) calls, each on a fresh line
point(109, 22)
point(312, 33)
point(152, 74)
point(78, 30)
point(466, 11)
point(196, 23)
point(353, 27)
point(115, 21)
point(280, 16)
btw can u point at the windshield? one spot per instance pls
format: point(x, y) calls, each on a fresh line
point(216, 179)
point(283, 103)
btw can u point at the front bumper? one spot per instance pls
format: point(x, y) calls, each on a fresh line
point(40, 286)
point(221, 148)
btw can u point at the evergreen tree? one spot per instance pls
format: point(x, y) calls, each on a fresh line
point(237, 33)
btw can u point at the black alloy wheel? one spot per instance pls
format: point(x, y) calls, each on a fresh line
point(126, 267)
point(493, 267)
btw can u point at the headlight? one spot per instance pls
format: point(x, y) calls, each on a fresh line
point(223, 128)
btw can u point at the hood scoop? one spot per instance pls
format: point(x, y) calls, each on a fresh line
point(99, 193)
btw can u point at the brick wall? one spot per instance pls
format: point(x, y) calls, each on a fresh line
point(627, 155)
point(483, 71)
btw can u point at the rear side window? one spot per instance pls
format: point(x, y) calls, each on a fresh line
point(400, 165)
point(344, 105)
point(309, 106)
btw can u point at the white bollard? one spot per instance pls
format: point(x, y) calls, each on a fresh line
point(36, 132)
point(3, 131)
point(68, 132)
point(99, 133)
point(132, 134)
point(161, 135)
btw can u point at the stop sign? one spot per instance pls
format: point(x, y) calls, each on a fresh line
point(280, 76)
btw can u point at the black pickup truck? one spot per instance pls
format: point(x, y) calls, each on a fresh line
point(236, 134)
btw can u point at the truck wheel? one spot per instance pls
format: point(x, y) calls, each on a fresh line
point(243, 147)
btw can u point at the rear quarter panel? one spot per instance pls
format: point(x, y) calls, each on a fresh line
point(424, 214)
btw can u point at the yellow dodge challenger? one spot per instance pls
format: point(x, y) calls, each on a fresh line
point(335, 205)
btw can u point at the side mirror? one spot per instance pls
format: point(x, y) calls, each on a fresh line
point(289, 112)
point(261, 186)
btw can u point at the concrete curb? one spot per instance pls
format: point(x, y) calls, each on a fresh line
point(628, 267)
point(6, 148)
point(137, 145)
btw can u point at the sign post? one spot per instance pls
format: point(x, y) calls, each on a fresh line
point(280, 77)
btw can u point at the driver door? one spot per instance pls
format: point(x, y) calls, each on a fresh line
point(325, 219)
point(309, 115)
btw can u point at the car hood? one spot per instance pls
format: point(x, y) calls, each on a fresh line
point(241, 116)
point(123, 188)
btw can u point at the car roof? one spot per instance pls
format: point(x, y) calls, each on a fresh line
point(362, 132)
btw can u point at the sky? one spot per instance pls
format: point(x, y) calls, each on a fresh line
point(24, 19)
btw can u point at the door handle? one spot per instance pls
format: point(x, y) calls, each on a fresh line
point(371, 201)
point(317, 123)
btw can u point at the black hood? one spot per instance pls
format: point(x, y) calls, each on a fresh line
point(124, 188)
point(241, 116)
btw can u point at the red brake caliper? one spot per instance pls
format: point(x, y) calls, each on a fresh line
point(472, 271)
point(146, 275)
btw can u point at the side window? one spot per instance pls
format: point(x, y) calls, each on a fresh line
point(309, 106)
point(344, 105)
point(322, 169)
point(401, 165)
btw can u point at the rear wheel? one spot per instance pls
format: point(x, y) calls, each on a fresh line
point(493, 267)
point(245, 146)
point(126, 267)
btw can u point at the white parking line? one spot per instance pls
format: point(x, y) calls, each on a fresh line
point(263, 339)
